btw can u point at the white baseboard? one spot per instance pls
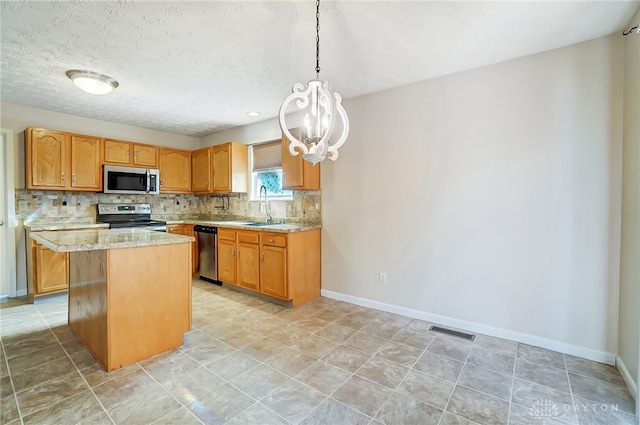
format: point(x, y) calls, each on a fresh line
point(563, 347)
point(633, 388)
point(21, 292)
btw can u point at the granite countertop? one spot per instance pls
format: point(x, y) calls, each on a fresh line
point(92, 240)
point(263, 227)
point(38, 226)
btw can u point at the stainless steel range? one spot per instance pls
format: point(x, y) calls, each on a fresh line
point(120, 216)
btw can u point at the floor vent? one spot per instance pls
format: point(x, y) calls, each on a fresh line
point(463, 335)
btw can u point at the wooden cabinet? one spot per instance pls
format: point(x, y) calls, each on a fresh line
point(230, 168)
point(47, 270)
point(51, 270)
point(128, 153)
point(220, 169)
point(56, 160)
point(46, 155)
point(187, 230)
point(297, 173)
point(282, 265)
point(273, 267)
point(175, 170)
point(227, 255)
point(128, 304)
point(86, 172)
point(248, 261)
point(62, 161)
point(238, 258)
point(201, 171)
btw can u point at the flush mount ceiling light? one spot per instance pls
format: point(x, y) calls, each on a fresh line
point(321, 108)
point(92, 82)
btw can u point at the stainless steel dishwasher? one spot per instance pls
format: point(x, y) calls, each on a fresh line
point(208, 249)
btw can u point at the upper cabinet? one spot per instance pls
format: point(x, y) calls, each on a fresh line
point(221, 169)
point(62, 161)
point(175, 170)
point(230, 167)
point(297, 173)
point(57, 160)
point(86, 173)
point(201, 170)
point(128, 153)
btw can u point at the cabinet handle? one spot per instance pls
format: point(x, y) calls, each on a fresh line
point(160, 182)
point(262, 257)
point(270, 240)
point(233, 253)
point(238, 253)
point(73, 178)
point(128, 154)
point(63, 178)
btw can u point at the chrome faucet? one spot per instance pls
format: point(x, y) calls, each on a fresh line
point(264, 207)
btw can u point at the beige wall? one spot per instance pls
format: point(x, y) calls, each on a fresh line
point(490, 197)
point(18, 118)
point(629, 320)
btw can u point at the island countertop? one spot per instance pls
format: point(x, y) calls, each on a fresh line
point(91, 240)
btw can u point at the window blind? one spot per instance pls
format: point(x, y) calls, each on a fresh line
point(267, 156)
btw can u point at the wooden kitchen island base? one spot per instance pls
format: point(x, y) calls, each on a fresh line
point(131, 303)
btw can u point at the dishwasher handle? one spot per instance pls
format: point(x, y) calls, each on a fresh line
point(205, 229)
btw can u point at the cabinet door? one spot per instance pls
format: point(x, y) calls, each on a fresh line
point(273, 271)
point(187, 230)
point(296, 172)
point(200, 170)
point(175, 170)
point(291, 167)
point(85, 163)
point(227, 261)
point(52, 270)
point(46, 159)
point(117, 151)
point(221, 163)
point(144, 155)
point(249, 266)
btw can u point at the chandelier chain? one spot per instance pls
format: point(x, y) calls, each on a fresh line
point(317, 38)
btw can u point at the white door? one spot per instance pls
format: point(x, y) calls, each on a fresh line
point(7, 217)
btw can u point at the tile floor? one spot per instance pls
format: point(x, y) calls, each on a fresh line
point(248, 361)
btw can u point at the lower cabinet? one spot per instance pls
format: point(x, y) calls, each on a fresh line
point(51, 271)
point(47, 270)
point(248, 260)
point(273, 271)
point(227, 255)
point(282, 265)
point(187, 230)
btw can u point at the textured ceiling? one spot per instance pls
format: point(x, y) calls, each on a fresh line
point(196, 68)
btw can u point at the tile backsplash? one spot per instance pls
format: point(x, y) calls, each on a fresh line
point(81, 206)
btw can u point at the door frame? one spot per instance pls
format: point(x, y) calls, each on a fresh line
point(8, 192)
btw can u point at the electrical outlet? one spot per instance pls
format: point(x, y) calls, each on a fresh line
point(383, 278)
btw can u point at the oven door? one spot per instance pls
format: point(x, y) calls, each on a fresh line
point(130, 180)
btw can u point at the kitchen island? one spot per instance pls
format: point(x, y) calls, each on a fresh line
point(129, 290)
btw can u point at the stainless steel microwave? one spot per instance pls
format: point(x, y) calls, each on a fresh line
point(130, 180)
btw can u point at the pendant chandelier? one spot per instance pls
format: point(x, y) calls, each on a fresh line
point(322, 108)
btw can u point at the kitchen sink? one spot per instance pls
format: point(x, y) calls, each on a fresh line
point(258, 224)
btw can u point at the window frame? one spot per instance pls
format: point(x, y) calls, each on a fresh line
point(254, 188)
